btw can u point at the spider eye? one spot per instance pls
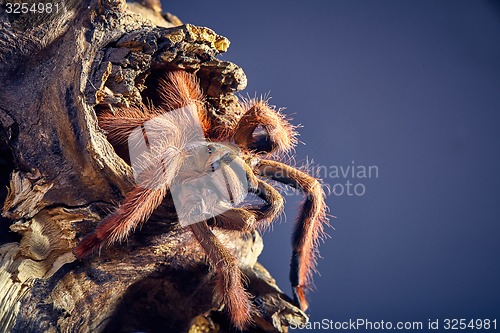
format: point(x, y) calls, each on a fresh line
point(216, 165)
point(210, 149)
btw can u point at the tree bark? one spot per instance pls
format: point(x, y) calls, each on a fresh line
point(57, 71)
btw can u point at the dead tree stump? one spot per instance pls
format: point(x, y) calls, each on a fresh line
point(57, 71)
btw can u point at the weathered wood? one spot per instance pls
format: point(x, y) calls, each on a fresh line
point(63, 177)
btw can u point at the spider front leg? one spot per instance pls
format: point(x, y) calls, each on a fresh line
point(228, 282)
point(274, 203)
point(308, 227)
point(137, 207)
point(264, 129)
point(243, 219)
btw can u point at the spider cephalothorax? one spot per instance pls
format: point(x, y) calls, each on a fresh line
point(210, 179)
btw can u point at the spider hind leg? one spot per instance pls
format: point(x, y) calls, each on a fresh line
point(228, 276)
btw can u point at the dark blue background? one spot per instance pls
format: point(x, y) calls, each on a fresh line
point(412, 87)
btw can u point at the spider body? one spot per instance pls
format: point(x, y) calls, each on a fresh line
point(242, 149)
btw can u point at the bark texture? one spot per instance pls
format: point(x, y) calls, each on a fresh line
point(57, 71)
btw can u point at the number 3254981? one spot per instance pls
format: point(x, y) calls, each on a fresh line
point(34, 8)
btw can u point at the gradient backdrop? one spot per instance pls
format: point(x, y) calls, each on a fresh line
point(412, 87)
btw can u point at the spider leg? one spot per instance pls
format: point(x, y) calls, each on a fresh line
point(308, 227)
point(239, 219)
point(229, 182)
point(274, 203)
point(279, 135)
point(228, 282)
point(179, 88)
point(137, 207)
point(176, 89)
point(120, 123)
point(244, 219)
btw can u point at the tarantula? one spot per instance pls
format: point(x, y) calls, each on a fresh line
point(222, 153)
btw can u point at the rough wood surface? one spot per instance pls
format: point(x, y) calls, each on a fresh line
point(57, 71)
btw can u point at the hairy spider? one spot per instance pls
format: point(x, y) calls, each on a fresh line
point(182, 159)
